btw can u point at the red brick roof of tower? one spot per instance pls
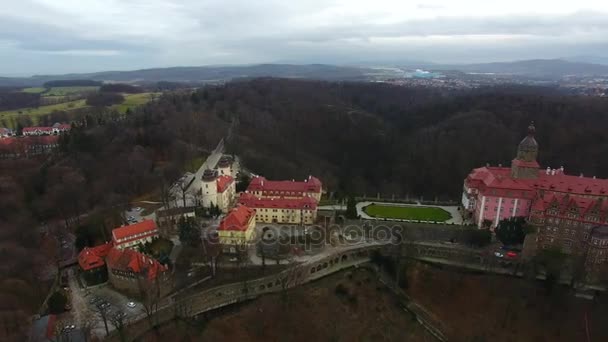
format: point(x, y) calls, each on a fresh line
point(238, 219)
point(92, 257)
point(252, 201)
point(311, 184)
point(223, 182)
point(146, 226)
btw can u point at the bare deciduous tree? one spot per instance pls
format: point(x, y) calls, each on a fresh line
point(119, 322)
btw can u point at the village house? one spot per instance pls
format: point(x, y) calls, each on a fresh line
point(30, 146)
point(262, 188)
point(92, 263)
point(56, 129)
point(135, 234)
point(5, 132)
point(281, 210)
point(168, 219)
point(236, 229)
point(134, 272)
point(125, 268)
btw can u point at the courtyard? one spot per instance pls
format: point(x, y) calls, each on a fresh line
point(396, 211)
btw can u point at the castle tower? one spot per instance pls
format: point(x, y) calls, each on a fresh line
point(525, 166)
point(209, 188)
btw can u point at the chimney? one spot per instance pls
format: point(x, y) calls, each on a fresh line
point(593, 177)
point(581, 175)
point(499, 165)
point(553, 172)
point(487, 164)
point(548, 170)
point(561, 169)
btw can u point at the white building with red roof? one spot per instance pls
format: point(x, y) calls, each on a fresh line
point(237, 228)
point(262, 187)
point(280, 209)
point(56, 129)
point(37, 130)
point(135, 234)
point(218, 190)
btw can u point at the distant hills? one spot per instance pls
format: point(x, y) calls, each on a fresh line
point(204, 74)
point(537, 68)
point(540, 68)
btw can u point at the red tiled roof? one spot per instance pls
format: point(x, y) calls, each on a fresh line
point(37, 128)
point(92, 257)
point(238, 219)
point(500, 178)
point(129, 260)
point(311, 184)
point(138, 228)
point(252, 201)
point(223, 182)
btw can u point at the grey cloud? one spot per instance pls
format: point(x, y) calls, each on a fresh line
point(193, 32)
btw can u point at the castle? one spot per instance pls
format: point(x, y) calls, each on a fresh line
point(569, 212)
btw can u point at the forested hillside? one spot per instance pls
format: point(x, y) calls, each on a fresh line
point(357, 137)
point(368, 138)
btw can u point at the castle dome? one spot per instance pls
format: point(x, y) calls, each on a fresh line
point(529, 142)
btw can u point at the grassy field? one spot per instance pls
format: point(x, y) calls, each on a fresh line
point(131, 101)
point(35, 112)
point(407, 213)
point(134, 100)
point(35, 90)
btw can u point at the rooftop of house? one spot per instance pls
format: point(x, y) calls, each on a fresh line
point(223, 182)
point(250, 200)
point(175, 211)
point(145, 226)
point(37, 128)
point(129, 260)
point(311, 184)
point(238, 219)
point(92, 257)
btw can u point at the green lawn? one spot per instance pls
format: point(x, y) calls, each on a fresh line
point(35, 90)
point(407, 213)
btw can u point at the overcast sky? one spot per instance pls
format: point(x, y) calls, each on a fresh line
point(59, 36)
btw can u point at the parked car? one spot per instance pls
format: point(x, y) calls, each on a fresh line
point(499, 254)
point(511, 254)
point(131, 304)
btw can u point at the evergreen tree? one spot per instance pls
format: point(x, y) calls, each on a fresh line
point(351, 208)
point(188, 231)
point(511, 231)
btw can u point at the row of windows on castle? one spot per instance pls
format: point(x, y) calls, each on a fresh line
point(571, 232)
point(131, 237)
point(282, 210)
